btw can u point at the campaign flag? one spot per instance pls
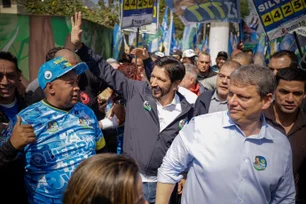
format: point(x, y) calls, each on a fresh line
point(261, 46)
point(230, 44)
point(190, 32)
point(132, 38)
point(205, 47)
point(205, 11)
point(169, 36)
point(164, 25)
point(288, 43)
point(117, 41)
point(173, 46)
point(154, 40)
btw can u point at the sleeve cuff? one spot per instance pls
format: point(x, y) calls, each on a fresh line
point(168, 178)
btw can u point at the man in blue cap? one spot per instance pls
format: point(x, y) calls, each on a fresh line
point(67, 132)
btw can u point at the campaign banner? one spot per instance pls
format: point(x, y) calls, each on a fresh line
point(280, 17)
point(150, 28)
point(136, 13)
point(153, 27)
point(216, 10)
point(117, 41)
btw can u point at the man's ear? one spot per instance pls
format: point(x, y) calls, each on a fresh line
point(175, 84)
point(50, 88)
point(267, 101)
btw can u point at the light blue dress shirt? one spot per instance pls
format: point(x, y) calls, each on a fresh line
point(225, 166)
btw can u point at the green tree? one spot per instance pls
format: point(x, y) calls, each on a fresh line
point(244, 8)
point(101, 13)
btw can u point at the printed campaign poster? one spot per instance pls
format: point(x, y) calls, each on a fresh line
point(280, 17)
point(192, 11)
point(153, 27)
point(136, 13)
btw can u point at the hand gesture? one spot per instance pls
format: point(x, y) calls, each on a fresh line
point(141, 53)
point(76, 31)
point(119, 111)
point(240, 45)
point(22, 135)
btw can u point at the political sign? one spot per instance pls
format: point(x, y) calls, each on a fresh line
point(151, 28)
point(136, 13)
point(280, 17)
point(190, 11)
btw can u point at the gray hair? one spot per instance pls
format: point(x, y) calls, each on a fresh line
point(257, 75)
point(204, 53)
point(192, 70)
point(231, 64)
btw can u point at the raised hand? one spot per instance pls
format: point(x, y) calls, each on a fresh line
point(22, 135)
point(119, 111)
point(141, 53)
point(76, 31)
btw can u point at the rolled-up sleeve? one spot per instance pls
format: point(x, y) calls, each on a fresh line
point(178, 156)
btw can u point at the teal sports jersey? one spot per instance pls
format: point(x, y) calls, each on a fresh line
point(64, 140)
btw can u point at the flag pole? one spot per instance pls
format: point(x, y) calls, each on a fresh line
point(298, 44)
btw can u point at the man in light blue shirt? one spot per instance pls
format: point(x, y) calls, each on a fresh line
point(232, 156)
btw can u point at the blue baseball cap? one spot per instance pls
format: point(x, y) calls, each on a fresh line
point(56, 68)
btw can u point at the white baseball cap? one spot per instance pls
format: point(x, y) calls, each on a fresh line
point(159, 54)
point(189, 53)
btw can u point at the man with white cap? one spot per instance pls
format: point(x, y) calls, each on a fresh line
point(189, 56)
point(67, 132)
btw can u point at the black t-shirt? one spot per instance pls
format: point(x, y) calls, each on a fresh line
point(90, 87)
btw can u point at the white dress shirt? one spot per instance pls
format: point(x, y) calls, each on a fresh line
point(166, 115)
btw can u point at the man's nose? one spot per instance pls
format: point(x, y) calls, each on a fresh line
point(4, 80)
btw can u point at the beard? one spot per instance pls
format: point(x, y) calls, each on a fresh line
point(158, 92)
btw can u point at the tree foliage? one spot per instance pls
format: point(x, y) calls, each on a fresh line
point(103, 13)
point(106, 15)
point(244, 8)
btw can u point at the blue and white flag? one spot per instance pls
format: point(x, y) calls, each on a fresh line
point(190, 32)
point(117, 41)
point(205, 47)
point(168, 40)
point(230, 44)
point(154, 41)
point(174, 46)
point(132, 37)
point(164, 25)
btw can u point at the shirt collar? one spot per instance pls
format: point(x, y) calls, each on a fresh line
point(228, 122)
point(174, 102)
point(10, 105)
point(300, 121)
point(216, 98)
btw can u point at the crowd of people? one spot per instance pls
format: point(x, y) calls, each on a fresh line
point(150, 128)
